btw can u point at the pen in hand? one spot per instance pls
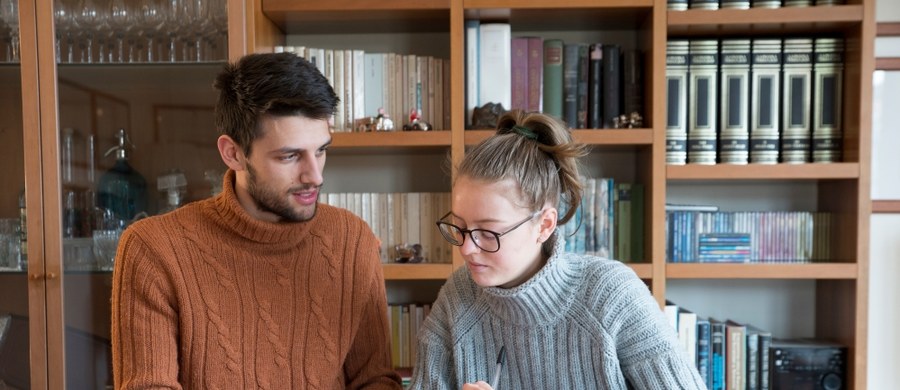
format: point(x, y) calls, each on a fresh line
point(500, 358)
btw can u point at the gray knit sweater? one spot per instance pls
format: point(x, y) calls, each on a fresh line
point(580, 323)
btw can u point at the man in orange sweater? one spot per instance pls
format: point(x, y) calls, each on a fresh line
point(260, 286)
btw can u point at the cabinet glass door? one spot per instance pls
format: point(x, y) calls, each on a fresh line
point(136, 139)
point(14, 315)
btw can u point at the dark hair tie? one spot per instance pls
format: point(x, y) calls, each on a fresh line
point(525, 132)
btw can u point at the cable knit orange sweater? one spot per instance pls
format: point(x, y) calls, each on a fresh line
point(207, 297)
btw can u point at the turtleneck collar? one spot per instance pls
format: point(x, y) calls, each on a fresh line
point(540, 300)
point(233, 218)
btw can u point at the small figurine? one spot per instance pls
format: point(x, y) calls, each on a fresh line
point(416, 122)
point(486, 116)
point(631, 121)
point(382, 122)
point(408, 253)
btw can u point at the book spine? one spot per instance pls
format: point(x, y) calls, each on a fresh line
point(612, 85)
point(676, 101)
point(535, 73)
point(359, 85)
point(519, 69)
point(704, 351)
point(703, 72)
point(570, 84)
point(340, 113)
point(472, 53)
point(734, 122)
point(374, 75)
point(494, 61)
point(595, 85)
point(637, 222)
point(735, 355)
point(828, 71)
point(553, 77)
point(633, 83)
point(765, 344)
point(765, 84)
point(796, 100)
point(752, 359)
point(718, 348)
point(347, 98)
point(582, 90)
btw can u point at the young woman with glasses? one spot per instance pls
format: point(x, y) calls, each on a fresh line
point(565, 320)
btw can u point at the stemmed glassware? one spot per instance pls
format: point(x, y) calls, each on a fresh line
point(9, 14)
point(149, 19)
point(130, 30)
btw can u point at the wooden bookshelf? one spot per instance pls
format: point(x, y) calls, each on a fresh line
point(755, 21)
point(841, 287)
point(762, 271)
point(620, 137)
point(764, 172)
point(417, 271)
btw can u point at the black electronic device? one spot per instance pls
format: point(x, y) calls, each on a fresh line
point(806, 364)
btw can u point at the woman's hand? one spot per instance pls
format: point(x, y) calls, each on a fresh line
point(480, 385)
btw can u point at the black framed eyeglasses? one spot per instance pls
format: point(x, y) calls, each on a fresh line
point(486, 240)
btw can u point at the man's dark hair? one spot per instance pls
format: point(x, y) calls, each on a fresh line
point(280, 84)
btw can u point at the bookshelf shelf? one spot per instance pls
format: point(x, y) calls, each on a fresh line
point(627, 137)
point(764, 172)
point(561, 16)
point(886, 206)
point(785, 20)
point(412, 139)
point(762, 271)
point(355, 16)
point(416, 271)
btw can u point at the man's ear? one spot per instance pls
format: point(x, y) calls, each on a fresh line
point(232, 154)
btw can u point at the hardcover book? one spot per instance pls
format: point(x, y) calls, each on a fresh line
point(765, 84)
point(595, 85)
point(797, 91)
point(520, 78)
point(535, 73)
point(553, 77)
point(494, 64)
point(828, 89)
point(570, 84)
point(734, 137)
point(612, 85)
point(472, 67)
point(676, 101)
point(633, 83)
point(703, 73)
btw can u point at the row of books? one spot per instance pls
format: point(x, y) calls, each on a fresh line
point(761, 101)
point(587, 85)
point(742, 237)
point(397, 85)
point(728, 354)
point(609, 223)
point(681, 5)
point(400, 218)
point(405, 321)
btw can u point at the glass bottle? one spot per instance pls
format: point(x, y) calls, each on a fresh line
point(121, 189)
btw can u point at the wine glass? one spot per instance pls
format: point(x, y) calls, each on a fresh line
point(105, 244)
point(89, 20)
point(64, 18)
point(120, 22)
point(149, 19)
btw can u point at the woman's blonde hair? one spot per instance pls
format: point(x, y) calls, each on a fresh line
point(538, 153)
